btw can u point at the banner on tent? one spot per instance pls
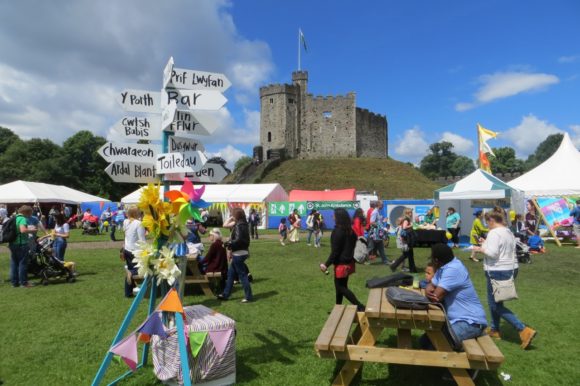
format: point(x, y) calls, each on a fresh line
point(501, 202)
point(284, 208)
point(320, 205)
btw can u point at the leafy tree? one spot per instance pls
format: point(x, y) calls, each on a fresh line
point(544, 151)
point(505, 161)
point(7, 138)
point(462, 166)
point(439, 162)
point(242, 162)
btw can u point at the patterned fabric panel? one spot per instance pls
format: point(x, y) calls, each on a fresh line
point(208, 365)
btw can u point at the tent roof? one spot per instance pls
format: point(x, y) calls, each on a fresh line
point(229, 193)
point(555, 176)
point(477, 185)
point(25, 191)
point(323, 195)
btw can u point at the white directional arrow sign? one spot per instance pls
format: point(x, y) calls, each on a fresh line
point(132, 172)
point(194, 99)
point(167, 72)
point(210, 173)
point(140, 101)
point(168, 115)
point(178, 145)
point(198, 80)
point(188, 123)
point(131, 152)
point(185, 162)
point(132, 127)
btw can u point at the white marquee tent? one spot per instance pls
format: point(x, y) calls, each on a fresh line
point(477, 190)
point(226, 196)
point(37, 192)
point(556, 176)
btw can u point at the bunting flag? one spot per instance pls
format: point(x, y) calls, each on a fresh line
point(484, 136)
point(171, 303)
point(196, 340)
point(153, 326)
point(484, 162)
point(127, 350)
point(220, 339)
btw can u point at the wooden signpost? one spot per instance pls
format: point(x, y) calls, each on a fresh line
point(131, 152)
point(132, 172)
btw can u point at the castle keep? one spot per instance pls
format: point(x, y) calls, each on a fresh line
point(296, 124)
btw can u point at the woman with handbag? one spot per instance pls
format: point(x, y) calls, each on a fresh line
point(501, 269)
point(342, 243)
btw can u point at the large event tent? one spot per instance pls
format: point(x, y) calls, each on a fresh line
point(556, 176)
point(479, 189)
point(37, 192)
point(227, 196)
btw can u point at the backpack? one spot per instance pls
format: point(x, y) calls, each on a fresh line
point(360, 250)
point(9, 232)
point(407, 299)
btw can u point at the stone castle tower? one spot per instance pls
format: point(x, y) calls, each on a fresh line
point(296, 124)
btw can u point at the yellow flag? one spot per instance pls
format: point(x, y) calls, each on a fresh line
point(484, 136)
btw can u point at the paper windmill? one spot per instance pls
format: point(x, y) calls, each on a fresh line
point(187, 202)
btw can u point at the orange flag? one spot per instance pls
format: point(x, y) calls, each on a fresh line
point(171, 303)
point(484, 162)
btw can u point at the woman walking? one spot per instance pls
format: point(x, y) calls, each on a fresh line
point(342, 243)
point(452, 222)
point(61, 233)
point(500, 263)
point(239, 245)
point(295, 225)
point(407, 235)
point(134, 231)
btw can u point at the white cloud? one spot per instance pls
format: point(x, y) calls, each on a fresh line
point(461, 144)
point(60, 71)
point(568, 59)
point(412, 146)
point(575, 135)
point(230, 154)
point(506, 84)
point(529, 134)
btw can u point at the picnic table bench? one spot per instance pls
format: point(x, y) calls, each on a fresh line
point(352, 336)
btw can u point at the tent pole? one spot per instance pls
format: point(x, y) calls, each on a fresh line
point(543, 218)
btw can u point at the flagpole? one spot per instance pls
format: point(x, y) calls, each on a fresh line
point(478, 146)
point(298, 49)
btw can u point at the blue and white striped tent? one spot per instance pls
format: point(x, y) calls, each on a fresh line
point(477, 190)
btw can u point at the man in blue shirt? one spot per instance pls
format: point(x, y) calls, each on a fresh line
point(452, 286)
point(576, 214)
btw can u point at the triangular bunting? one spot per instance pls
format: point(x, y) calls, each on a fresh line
point(127, 350)
point(171, 303)
point(153, 326)
point(196, 340)
point(220, 339)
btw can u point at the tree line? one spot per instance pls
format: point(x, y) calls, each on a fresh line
point(442, 161)
point(75, 163)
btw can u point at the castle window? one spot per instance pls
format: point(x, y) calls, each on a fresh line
point(269, 136)
point(327, 114)
point(271, 100)
point(290, 100)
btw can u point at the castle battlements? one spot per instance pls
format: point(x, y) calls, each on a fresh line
point(278, 88)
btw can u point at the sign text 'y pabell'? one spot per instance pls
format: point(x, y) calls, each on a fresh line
point(194, 99)
point(132, 172)
point(129, 152)
point(198, 80)
point(187, 123)
point(140, 101)
point(186, 162)
point(178, 145)
point(133, 127)
point(210, 173)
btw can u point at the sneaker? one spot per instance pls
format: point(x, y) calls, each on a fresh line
point(493, 333)
point(360, 308)
point(250, 278)
point(308, 244)
point(221, 297)
point(405, 269)
point(526, 335)
point(281, 242)
point(245, 301)
point(27, 285)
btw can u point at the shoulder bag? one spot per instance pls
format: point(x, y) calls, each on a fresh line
point(504, 290)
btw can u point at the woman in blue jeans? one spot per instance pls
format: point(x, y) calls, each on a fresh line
point(61, 233)
point(239, 247)
point(500, 263)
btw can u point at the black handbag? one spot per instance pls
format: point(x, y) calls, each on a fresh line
point(407, 299)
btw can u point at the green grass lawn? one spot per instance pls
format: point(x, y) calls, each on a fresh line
point(58, 334)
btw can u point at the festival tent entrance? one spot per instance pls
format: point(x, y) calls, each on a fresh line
point(36, 192)
point(477, 190)
point(225, 197)
point(556, 176)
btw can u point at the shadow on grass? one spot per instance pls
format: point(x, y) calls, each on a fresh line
point(273, 347)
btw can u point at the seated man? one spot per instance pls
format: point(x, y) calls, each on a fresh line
point(452, 287)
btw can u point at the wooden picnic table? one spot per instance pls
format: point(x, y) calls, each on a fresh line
point(339, 340)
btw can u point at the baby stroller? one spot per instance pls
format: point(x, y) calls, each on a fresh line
point(91, 227)
point(523, 252)
point(44, 265)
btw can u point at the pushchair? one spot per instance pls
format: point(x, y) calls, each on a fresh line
point(91, 227)
point(45, 266)
point(523, 252)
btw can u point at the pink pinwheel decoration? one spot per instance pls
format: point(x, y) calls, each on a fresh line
point(186, 203)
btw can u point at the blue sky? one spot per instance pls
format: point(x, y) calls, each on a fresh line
point(434, 69)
